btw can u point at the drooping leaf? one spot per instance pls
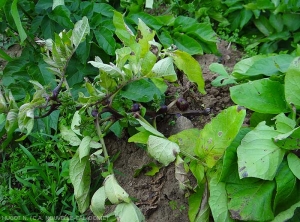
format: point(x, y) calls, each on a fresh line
point(80, 175)
point(292, 83)
point(163, 150)
point(258, 156)
point(216, 136)
point(263, 96)
point(129, 212)
point(190, 67)
point(76, 123)
point(251, 202)
point(98, 203)
point(114, 192)
point(181, 174)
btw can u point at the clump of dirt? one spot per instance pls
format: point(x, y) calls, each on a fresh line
point(159, 197)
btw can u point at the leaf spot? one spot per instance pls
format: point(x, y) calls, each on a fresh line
point(220, 133)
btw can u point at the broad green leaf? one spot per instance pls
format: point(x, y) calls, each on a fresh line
point(288, 20)
point(140, 137)
point(105, 40)
point(114, 192)
point(142, 90)
point(216, 136)
point(271, 65)
point(57, 3)
point(258, 156)
point(98, 203)
point(154, 169)
point(165, 68)
point(148, 19)
point(81, 29)
point(163, 150)
point(187, 44)
point(187, 141)
point(195, 202)
point(251, 202)
point(292, 83)
point(294, 164)
point(243, 66)
point(277, 22)
point(165, 39)
point(80, 175)
point(287, 214)
point(129, 212)
point(122, 55)
point(61, 14)
point(190, 67)
point(122, 30)
point(184, 22)
point(69, 136)
point(84, 147)
point(263, 96)
point(218, 201)
point(16, 17)
point(76, 123)
point(285, 184)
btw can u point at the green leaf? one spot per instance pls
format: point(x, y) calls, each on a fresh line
point(122, 30)
point(187, 141)
point(263, 96)
point(84, 147)
point(263, 25)
point(277, 22)
point(165, 39)
point(216, 136)
point(129, 212)
point(80, 30)
point(61, 15)
point(287, 214)
point(197, 170)
point(114, 192)
point(145, 34)
point(294, 164)
point(154, 169)
point(98, 203)
point(80, 175)
point(147, 63)
point(149, 20)
point(242, 66)
point(140, 137)
point(111, 69)
point(218, 201)
point(288, 21)
point(187, 44)
point(224, 78)
point(76, 123)
point(195, 202)
point(285, 184)
point(142, 90)
point(251, 202)
point(292, 83)
point(258, 156)
point(105, 40)
point(190, 67)
point(284, 124)
point(15, 14)
point(163, 150)
point(289, 140)
point(165, 68)
point(5, 56)
point(69, 136)
point(26, 118)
